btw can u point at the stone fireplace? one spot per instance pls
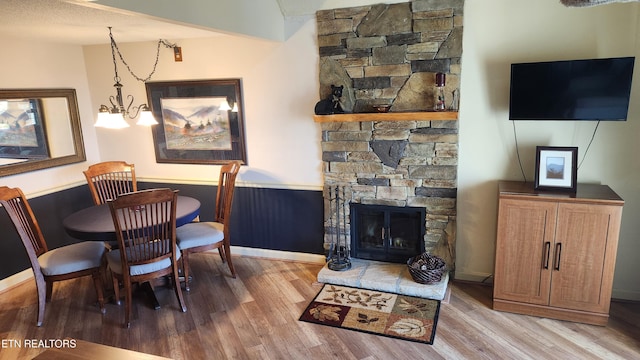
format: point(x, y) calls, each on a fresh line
point(389, 54)
point(424, 177)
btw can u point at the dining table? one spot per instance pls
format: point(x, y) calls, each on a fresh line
point(96, 224)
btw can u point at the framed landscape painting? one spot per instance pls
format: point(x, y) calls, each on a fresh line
point(199, 122)
point(22, 130)
point(556, 168)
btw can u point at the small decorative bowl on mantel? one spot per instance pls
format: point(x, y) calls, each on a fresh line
point(382, 108)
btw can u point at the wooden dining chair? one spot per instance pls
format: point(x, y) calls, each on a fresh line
point(203, 236)
point(109, 179)
point(145, 225)
point(63, 263)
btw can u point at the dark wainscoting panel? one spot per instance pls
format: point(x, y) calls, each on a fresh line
point(276, 219)
point(49, 210)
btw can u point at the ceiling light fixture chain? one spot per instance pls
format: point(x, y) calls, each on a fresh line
point(114, 45)
point(114, 117)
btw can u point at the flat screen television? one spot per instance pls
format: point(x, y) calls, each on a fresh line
point(592, 89)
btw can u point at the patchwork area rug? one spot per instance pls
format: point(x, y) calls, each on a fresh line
point(376, 312)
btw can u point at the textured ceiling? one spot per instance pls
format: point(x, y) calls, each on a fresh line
point(299, 7)
point(74, 23)
point(584, 3)
point(81, 22)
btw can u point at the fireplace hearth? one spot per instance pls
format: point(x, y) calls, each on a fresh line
point(387, 233)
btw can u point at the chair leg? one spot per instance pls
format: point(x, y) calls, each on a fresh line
point(97, 281)
point(116, 288)
point(185, 269)
point(41, 287)
point(178, 288)
point(221, 252)
point(227, 252)
point(105, 271)
point(127, 303)
point(49, 289)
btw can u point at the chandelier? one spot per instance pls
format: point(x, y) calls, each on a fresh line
point(113, 117)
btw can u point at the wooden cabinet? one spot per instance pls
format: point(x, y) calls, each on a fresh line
point(556, 252)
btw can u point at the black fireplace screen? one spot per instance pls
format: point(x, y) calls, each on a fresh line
point(386, 233)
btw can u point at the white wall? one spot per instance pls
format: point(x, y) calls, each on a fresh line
point(31, 64)
point(280, 89)
point(497, 33)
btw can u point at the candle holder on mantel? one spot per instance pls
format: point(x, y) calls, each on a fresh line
point(339, 254)
point(440, 101)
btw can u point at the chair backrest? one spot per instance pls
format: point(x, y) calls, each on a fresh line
point(20, 213)
point(145, 225)
point(226, 188)
point(107, 180)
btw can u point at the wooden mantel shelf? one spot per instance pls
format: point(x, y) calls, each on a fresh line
point(390, 116)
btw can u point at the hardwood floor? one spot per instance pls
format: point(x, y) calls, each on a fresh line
point(255, 317)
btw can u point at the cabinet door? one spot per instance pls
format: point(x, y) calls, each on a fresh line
point(524, 241)
point(584, 256)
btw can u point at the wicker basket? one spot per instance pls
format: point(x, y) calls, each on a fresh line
point(426, 269)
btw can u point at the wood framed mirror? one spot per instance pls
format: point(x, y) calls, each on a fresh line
point(39, 129)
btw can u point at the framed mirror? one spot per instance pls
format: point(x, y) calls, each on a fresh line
point(39, 129)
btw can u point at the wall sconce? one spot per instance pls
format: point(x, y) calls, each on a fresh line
point(114, 117)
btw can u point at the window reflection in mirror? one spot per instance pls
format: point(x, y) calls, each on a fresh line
point(39, 128)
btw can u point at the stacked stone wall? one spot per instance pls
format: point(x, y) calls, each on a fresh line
point(389, 54)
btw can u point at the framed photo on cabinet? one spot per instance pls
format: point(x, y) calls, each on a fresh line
point(199, 122)
point(556, 168)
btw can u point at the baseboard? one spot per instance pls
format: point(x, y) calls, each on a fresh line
point(277, 254)
point(27, 275)
point(474, 277)
point(15, 280)
point(488, 279)
point(625, 295)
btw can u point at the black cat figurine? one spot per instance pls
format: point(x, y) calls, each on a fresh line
point(331, 105)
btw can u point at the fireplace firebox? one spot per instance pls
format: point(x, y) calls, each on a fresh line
point(387, 233)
